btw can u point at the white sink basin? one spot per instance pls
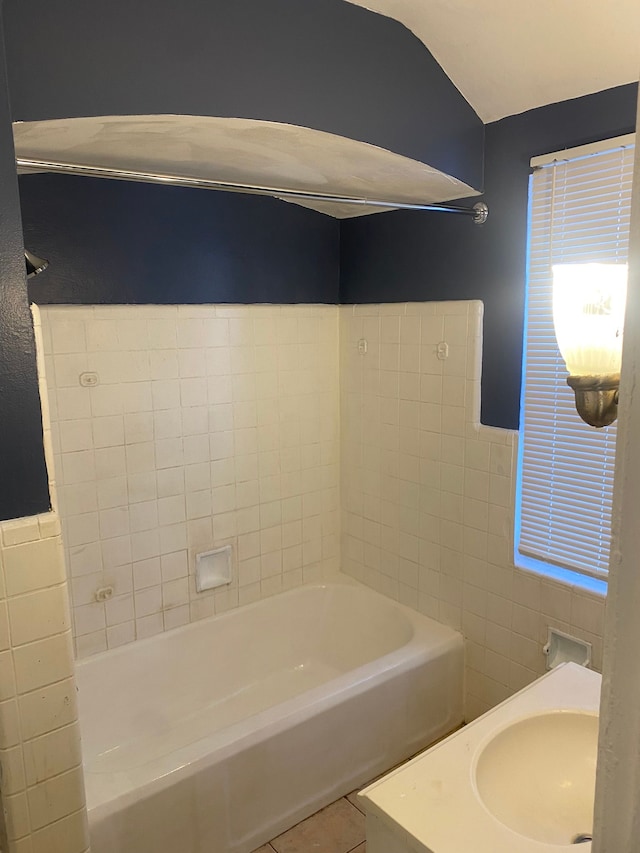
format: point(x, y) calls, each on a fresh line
point(537, 775)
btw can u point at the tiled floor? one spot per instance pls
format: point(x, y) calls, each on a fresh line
point(338, 828)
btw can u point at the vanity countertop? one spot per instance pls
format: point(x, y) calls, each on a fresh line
point(431, 804)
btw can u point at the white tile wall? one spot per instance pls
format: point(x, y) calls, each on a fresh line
point(428, 494)
point(220, 424)
point(42, 784)
point(210, 425)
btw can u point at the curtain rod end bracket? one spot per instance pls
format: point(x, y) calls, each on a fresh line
point(480, 213)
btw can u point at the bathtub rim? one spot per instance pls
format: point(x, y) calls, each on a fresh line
point(338, 579)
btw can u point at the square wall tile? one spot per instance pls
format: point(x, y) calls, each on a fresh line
point(205, 419)
point(465, 476)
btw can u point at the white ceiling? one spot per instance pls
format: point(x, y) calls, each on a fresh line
point(508, 56)
point(240, 151)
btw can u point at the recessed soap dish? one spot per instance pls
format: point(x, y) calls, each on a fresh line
point(561, 647)
point(213, 568)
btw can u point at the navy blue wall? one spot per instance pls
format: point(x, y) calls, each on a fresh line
point(111, 241)
point(119, 242)
point(324, 64)
point(401, 256)
point(23, 475)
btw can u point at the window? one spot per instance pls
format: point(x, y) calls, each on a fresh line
point(579, 211)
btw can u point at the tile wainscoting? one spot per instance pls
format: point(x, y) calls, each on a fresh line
point(428, 494)
point(206, 426)
point(42, 783)
point(239, 424)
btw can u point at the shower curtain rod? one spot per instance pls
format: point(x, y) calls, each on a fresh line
point(479, 211)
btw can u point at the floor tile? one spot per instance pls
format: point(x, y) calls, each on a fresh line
point(361, 848)
point(338, 828)
point(266, 848)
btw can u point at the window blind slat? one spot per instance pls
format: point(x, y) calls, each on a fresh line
point(579, 213)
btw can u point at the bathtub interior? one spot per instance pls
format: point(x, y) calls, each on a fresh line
point(153, 707)
point(209, 675)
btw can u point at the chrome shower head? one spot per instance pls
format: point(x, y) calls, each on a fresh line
point(34, 264)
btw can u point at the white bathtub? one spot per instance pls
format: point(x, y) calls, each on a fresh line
point(215, 737)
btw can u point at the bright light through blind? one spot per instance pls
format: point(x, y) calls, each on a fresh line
point(580, 206)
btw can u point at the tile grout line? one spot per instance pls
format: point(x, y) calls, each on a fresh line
point(343, 799)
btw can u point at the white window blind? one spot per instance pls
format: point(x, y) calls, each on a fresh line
point(580, 205)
